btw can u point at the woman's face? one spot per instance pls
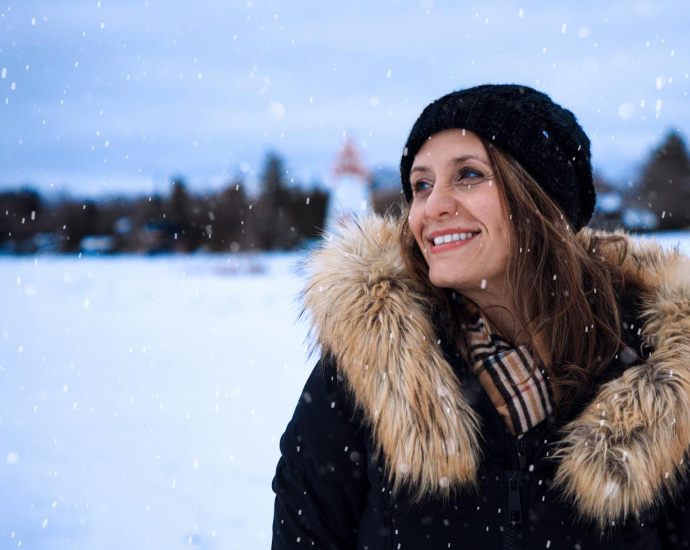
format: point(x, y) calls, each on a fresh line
point(457, 217)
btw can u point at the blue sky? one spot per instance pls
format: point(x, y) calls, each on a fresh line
point(118, 96)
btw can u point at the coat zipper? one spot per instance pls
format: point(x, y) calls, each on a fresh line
point(514, 505)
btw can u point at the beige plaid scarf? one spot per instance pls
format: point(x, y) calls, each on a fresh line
point(497, 364)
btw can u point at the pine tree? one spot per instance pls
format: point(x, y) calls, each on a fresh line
point(274, 225)
point(665, 184)
point(230, 224)
point(181, 216)
point(272, 180)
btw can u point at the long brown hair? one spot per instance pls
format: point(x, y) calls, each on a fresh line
point(557, 284)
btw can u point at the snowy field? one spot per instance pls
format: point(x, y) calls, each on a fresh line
point(142, 399)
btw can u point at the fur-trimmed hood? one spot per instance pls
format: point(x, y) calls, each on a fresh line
point(616, 457)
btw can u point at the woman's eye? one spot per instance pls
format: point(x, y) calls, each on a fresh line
point(421, 185)
point(470, 173)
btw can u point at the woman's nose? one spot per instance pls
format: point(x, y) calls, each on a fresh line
point(440, 202)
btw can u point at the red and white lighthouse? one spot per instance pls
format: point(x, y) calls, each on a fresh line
point(350, 185)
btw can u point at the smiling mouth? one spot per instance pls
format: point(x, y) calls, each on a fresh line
point(452, 241)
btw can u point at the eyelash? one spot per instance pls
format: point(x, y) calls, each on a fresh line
point(462, 173)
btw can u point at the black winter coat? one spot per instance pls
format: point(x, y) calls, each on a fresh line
point(394, 443)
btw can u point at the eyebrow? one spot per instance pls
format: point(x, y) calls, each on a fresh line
point(453, 162)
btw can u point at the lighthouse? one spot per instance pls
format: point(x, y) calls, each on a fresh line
point(349, 184)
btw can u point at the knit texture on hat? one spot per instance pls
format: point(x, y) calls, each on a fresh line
point(542, 136)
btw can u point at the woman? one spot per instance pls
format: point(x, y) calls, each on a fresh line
point(493, 373)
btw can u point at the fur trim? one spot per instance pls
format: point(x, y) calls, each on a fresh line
point(629, 445)
point(366, 314)
point(616, 457)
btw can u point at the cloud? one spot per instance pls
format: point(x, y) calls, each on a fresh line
point(295, 82)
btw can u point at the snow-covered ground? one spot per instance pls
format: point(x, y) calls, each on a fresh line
point(142, 399)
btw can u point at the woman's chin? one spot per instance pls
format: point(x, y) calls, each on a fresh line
point(462, 285)
point(443, 280)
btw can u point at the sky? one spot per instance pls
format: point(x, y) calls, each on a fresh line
point(108, 97)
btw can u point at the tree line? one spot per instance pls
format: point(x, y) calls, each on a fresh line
point(284, 217)
point(281, 217)
point(658, 200)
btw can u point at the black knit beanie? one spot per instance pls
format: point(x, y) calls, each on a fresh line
point(542, 136)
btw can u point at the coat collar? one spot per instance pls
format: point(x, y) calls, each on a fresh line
point(616, 457)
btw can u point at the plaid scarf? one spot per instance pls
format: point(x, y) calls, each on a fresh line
point(497, 364)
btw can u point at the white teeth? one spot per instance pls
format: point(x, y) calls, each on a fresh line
point(452, 238)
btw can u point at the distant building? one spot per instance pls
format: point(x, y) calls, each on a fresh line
point(123, 226)
point(350, 185)
point(97, 244)
point(157, 238)
point(642, 219)
point(47, 242)
point(609, 203)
